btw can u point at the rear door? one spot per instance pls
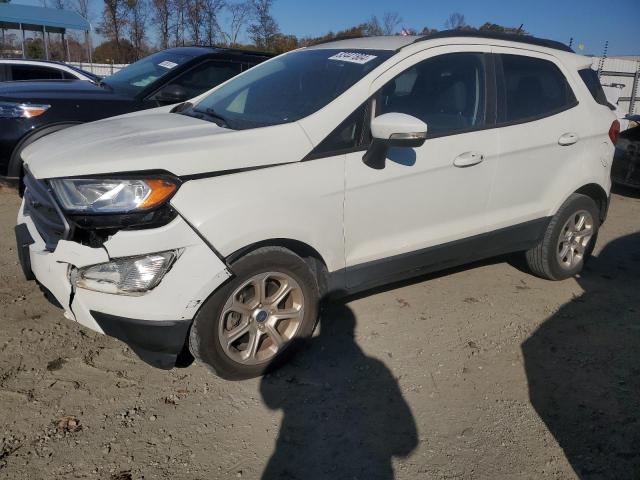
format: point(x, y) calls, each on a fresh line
point(541, 151)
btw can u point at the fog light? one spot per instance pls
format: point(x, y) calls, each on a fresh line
point(125, 276)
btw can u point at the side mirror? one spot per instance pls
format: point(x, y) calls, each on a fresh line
point(172, 94)
point(393, 130)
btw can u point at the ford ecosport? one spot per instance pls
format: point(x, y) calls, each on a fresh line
point(218, 224)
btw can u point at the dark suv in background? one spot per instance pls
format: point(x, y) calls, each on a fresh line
point(31, 110)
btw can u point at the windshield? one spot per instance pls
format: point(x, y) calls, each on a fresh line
point(287, 88)
point(144, 72)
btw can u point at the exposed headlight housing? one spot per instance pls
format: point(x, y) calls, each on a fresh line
point(90, 196)
point(125, 276)
point(22, 110)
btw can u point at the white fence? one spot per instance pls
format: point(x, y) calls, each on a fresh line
point(101, 69)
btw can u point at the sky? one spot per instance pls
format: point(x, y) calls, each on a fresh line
point(589, 22)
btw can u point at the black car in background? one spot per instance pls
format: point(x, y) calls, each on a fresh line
point(31, 110)
point(626, 161)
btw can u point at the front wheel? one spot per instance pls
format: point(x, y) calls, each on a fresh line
point(250, 324)
point(568, 240)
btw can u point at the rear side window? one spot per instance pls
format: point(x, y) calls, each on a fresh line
point(532, 88)
point(32, 72)
point(591, 80)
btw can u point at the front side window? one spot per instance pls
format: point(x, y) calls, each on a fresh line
point(532, 88)
point(206, 76)
point(288, 88)
point(446, 92)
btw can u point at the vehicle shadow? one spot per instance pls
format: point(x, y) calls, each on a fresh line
point(344, 414)
point(583, 367)
point(625, 191)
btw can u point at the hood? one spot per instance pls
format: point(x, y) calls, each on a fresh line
point(158, 140)
point(23, 91)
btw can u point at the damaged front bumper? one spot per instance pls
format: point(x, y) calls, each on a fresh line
point(154, 324)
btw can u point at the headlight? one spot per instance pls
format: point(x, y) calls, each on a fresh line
point(21, 110)
point(125, 276)
point(103, 195)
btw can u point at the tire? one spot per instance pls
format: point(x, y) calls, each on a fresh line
point(548, 259)
point(236, 306)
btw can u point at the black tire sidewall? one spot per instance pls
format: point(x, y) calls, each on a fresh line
point(571, 207)
point(204, 336)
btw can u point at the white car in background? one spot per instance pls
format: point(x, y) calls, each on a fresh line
point(221, 223)
point(18, 69)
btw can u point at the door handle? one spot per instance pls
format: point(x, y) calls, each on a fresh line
point(467, 159)
point(568, 139)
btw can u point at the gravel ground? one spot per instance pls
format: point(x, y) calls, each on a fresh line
point(481, 372)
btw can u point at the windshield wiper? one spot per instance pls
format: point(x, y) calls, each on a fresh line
point(214, 116)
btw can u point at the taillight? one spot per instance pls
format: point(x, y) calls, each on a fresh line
point(614, 131)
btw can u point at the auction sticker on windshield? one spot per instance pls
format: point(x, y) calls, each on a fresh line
point(353, 57)
point(167, 64)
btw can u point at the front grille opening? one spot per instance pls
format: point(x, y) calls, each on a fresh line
point(40, 205)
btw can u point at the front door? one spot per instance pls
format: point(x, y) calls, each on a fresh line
point(416, 213)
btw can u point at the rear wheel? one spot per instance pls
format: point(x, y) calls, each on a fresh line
point(568, 240)
point(250, 324)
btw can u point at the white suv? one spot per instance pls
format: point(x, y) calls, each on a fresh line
point(221, 223)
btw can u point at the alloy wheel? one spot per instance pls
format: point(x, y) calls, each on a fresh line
point(261, 316)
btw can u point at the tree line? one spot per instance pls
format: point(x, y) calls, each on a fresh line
point(127, 26)
point(132, 29)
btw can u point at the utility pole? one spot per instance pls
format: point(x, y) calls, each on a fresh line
point(603, 58)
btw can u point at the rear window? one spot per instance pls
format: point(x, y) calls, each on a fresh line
point(591, 80)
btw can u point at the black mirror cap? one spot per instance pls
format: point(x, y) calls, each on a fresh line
point(376, 154)
point(172, 94)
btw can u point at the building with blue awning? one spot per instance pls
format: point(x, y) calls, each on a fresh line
point(43, 20)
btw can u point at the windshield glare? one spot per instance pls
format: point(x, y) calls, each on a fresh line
point(144, 72)
point(289, 87)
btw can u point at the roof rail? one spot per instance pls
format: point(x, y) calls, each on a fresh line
point(232, 49)
point(511, 37)
point(337, 38)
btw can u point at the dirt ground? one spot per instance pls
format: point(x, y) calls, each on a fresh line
point(484, 372)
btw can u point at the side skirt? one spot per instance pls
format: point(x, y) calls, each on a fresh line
point(452, 254)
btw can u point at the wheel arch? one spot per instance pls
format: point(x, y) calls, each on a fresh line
point(315, 260)
point(599, 195)
point(15, 162)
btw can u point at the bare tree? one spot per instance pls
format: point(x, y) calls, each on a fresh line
point(195, 20)
point(212, 29)
point(137, 14)
point(240, 14)
point(114, 20)
point(60, 4)
point(82, 7)
point(264, 28)
point(161, 15)
point(372, 28)
point(179, 22)
point(390, 22)
point(455, 22)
